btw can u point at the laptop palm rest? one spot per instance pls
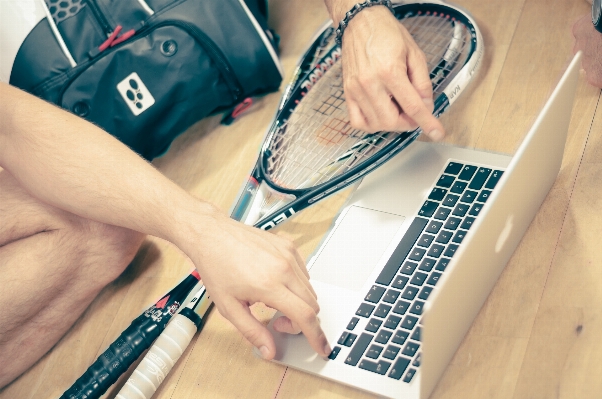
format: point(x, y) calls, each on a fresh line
point(355, 247)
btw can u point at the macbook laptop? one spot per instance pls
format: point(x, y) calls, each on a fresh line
point(417, 249)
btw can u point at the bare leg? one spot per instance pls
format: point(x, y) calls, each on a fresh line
point(52, 265)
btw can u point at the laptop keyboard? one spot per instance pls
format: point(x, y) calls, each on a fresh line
point(385, 334)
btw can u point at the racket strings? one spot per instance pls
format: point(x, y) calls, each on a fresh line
point(317, 143)
point(445, 43)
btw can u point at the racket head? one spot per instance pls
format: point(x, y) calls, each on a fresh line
point(311, 146)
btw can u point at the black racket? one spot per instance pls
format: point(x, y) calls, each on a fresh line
point(311, 151)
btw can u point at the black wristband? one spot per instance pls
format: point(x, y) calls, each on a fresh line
point(354, 11)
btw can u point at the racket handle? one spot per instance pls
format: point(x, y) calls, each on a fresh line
point(161, 357)
point(130, 344)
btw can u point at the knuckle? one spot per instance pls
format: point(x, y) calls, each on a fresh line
point(412, 109)
point(307, 315)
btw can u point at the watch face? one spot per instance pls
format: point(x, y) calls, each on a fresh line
point(596, 11)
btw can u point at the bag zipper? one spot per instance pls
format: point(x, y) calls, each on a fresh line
point(200, 37)
point(100, 17)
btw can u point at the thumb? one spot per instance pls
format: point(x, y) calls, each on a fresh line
point(255, 332)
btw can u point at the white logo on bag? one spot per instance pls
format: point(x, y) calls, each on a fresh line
point(135, 94)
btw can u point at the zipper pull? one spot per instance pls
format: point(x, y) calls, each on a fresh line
point(237, 111)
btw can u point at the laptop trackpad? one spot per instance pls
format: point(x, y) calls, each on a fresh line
point(355, 247)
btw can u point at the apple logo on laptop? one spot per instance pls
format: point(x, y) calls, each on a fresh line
point(504, 234)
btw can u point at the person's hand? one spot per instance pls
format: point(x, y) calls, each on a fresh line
point(589, 41)
point(241, 265)
point(387, 84)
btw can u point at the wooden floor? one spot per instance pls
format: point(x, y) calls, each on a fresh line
point(539, 335)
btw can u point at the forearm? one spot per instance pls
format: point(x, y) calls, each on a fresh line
point(75, 166)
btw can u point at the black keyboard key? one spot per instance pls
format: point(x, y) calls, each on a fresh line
point(382, 310)
point(391, 352)
point(427, 264)
point(399, 367)
point(484, 196)
point(410, 292)
point(459, 236)
point(469, 196)
point(401, 307)
point(479, 179)
point(392, 322)
point(365, 310)
point(436, 250)
point(453, 168)
point(458, 187)
point(400, 282)
point(417, 360)
point(425, 240)
point(400, 337)
point(375, 293)
point(450, 251)
point(460, 210)
point(428, 209)
point(410, 349)
point(467, 172)
point(450, 200)
point(445, 181)
point(444, 236)
point(417, 307)
point(373, 325)
point(475, 209)
point(442, 264)
point(452, 223)
point(408, 268)
point(409, 375)
point(409, 322)
point(403, 248)
point(467, 223)
point(437, 194)
point(495, 177)
point(361, 344)
point(418, 278)
point(433, 227)
point(417, 254)
point(374, 351)
point(343, 337)
point(350, 340)
point(391, 296)
point(380, 368)
point(442, 213)
point(434, 278)
point(352, 323)
point(417, 334)
point(383, 336)
point(334, 353)
point(425, 292)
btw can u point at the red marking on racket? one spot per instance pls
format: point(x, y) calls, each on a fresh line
point(162, 302)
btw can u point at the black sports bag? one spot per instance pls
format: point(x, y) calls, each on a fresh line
point(145, 70)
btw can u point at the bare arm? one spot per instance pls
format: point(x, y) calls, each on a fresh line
point(73, 165)
point(386, 80)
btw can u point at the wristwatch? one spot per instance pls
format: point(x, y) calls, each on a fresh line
point(597, 14)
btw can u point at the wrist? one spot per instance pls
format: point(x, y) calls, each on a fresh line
point(192, 222)
point(367, 10)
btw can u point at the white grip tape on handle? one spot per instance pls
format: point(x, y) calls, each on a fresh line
point(159, 360)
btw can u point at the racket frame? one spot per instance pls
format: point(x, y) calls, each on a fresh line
point(253, 193)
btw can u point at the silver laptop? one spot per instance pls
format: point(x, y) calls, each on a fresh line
point(416, 251)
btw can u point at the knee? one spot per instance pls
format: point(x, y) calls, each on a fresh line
point(107, 249)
